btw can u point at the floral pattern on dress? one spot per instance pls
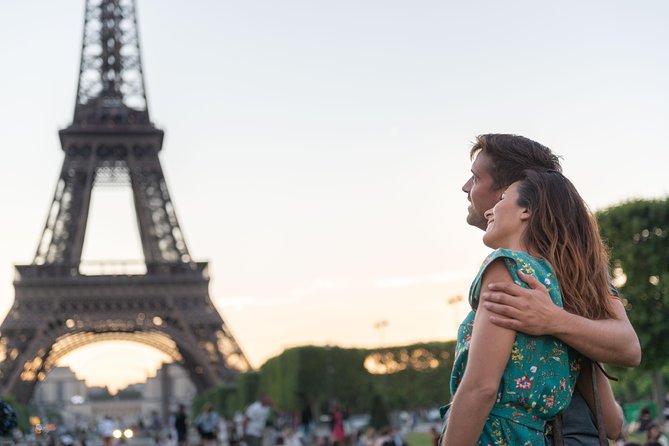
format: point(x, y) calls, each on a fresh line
point(541, 374)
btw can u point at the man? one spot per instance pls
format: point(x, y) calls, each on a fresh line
point(106, 429)
point(498, 161)
point(306, 424)
point(255, 420)
point(181, 426)
point(207, 425)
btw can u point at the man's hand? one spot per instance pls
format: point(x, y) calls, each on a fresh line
point(530, 311)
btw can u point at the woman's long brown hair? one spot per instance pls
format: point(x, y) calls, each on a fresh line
point(562, 230)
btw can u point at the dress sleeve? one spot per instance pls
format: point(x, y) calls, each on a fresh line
point(511, 261)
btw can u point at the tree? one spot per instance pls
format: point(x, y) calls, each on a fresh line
point(637, 233)
point(378, 413)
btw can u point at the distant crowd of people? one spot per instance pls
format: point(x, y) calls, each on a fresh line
point(260, 425)
point(644, 425)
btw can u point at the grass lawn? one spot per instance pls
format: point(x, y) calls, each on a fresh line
point(419, 439)
point(639, 438)
point(425, 438)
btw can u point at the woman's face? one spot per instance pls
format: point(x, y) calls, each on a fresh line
point(506, 222)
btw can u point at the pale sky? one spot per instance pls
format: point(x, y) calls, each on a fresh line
point(315, 150)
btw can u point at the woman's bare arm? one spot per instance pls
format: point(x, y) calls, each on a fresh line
point(489, 353)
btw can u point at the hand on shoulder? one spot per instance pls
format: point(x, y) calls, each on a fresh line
point(528, 310)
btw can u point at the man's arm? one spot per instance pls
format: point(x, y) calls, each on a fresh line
point(532, 311)
point(245, 424)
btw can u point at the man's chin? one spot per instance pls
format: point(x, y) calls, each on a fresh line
point(476, 220)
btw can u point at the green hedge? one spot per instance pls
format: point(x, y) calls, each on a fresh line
point(407, 377)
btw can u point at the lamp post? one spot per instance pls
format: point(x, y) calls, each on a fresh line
point(380, 326)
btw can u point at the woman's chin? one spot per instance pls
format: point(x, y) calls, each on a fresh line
point(493, 243)
point(490, 242)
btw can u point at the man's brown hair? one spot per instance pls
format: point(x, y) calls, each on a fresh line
point(511, 155)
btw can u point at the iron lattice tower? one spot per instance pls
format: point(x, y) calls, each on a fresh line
point(58, 308)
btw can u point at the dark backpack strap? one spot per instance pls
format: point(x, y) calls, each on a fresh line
point(556, 428)
point(598, 405)
point(610, 377)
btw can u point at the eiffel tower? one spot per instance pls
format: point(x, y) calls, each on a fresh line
point(57, 307)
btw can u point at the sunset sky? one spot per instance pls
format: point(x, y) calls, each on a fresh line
point(315, 150)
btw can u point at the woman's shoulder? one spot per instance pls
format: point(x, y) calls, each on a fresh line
point(514, 261)
point(504, 255)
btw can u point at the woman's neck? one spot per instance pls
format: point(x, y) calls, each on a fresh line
point(517, 244)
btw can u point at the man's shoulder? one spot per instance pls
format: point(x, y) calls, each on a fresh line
point(254, 407)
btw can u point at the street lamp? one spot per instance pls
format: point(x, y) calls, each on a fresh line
point(381, 325)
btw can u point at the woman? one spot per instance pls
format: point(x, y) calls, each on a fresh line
point(508, 385)
point(656, 436)
point(337, 425)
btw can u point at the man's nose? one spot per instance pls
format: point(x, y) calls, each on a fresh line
point(488, 214)
point(467, 186)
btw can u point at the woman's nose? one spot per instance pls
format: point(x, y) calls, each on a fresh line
point(487, 214)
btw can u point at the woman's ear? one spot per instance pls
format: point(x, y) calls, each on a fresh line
point(525, 214)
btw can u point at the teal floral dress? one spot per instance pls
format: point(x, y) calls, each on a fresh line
point(540, 376)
